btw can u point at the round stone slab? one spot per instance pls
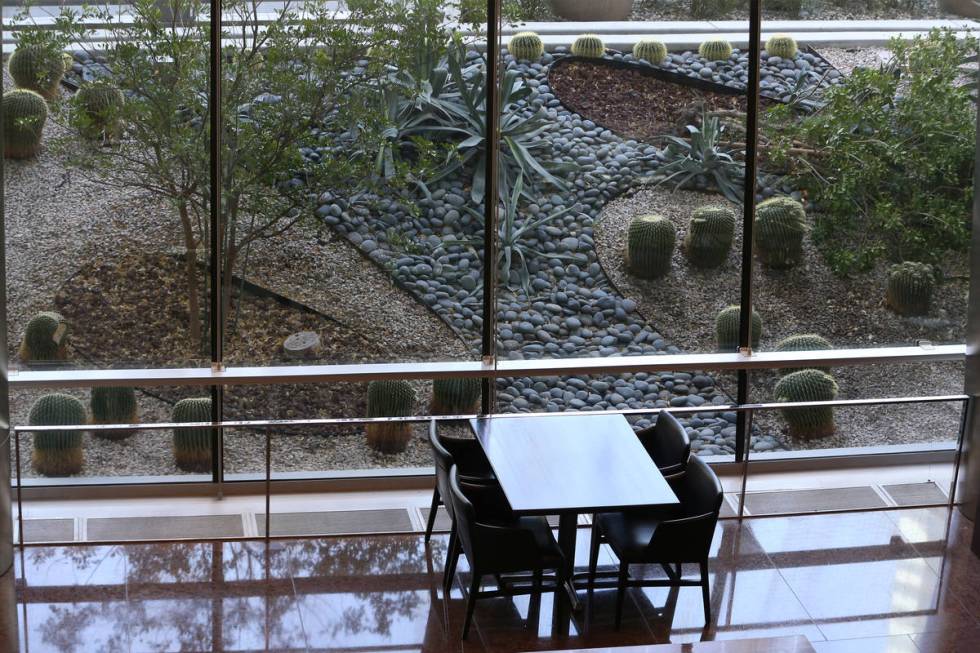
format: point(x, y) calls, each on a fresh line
point(304, 344)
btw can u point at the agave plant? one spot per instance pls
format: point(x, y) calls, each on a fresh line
point(704, 155)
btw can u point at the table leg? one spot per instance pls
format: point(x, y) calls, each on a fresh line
point(567, 530)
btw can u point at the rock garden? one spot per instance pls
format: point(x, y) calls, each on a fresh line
point(355, 197)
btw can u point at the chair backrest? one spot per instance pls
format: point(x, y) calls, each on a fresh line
point(687, 538)
point(669, 445)
point(465, 514)
point(700, 491)
point(444, 463)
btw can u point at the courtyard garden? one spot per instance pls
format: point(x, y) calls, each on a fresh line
point(353, 194)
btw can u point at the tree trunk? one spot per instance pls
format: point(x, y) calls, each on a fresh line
point(190, 279)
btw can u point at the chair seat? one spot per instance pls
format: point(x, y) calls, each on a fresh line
point(629, 534)
point(541, 530)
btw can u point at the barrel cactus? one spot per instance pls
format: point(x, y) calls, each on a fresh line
point(726, 328)
point(589, 45)
point(650, 244)
point(780, 224)
point(389, 399)
point(57, 453)
point(804, 342)
point(715, 49)
point(709, 236)
point(24, 115)
point(45, 339)
point(97, 107)
point(455, 396)
point(909, 290)
point(113, 406)
point(651, 50)
point(808, 385)
point(526, 45)
point(37, 68)
point(781, 45)
point(192, 446)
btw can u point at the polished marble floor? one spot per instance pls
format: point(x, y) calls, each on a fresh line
point(869, 583)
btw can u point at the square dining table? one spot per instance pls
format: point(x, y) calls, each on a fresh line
point(570, 464)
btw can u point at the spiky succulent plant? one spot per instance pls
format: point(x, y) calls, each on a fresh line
point(57, 453)
point(24, 115)
point(526, 45)
point(780, 224)
point(386, 398)
point(192, 446)
point(45, 339)
point(650, 50)
point(804, 342)
point(910, 286)
point(709, 235)
point(781, 45)
point(37, 68)
point(97, 107)
point(455, 396)
point(113, 406)
point(727, 325)
point(715, 49)
point(650, 245)
point(588, 45)
point(808, 385)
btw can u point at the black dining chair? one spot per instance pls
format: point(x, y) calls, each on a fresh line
point(668, 537)
point(496, 543)
point(467, 454)
point(667, 443)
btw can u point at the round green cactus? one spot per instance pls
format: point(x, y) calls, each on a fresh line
point(780, 224)
point(650, 245)
point(589, 45)
point(651, 50)
point(24, 115)
point(97, 107)
point(808, 385)
point(715, 49)
point(781, 45)
point(57, 453)
point(45, 339)
point(709, 236)
point(389, 399)
point(804, 342)
point(910, 286)
point(455, 396)
point(113, 406)
point(727, 325)
point(526, 45)
point(37, 68)
point(192, 446)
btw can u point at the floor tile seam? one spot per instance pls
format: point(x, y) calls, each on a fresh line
point(796, 596)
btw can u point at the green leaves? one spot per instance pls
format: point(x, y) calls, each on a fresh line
point(703, 154)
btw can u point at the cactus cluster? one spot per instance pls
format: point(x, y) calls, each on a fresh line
point(781, 45)
point(780, 224)
point(709, 236)
point(526, 45)
point(192, 446)
point(804, 342)
point(37, 68)
point(651, 50)
point(97, 107)
point(589, 45)
point(113, 406)
point(909, 290)
point(455, 396)
point(57, 453)
point(808, 385)
point(389, 399)
point(727, 325)
point(45, 339)
point(24, 115)
point(650, 245)
point(715, 49)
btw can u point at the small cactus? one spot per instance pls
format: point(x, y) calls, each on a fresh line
point(808, 385)
point(589, 45)
point(909, 289)
point(455, 396)
point(709, 236)
point(24, 115)
point(192, 446)
point(97, 108)
point(727, 325)
point(57, 453)
point(37, 68)
point(389, 399)
point(113, 406)
point(715, 49)
point(804, 342)
point(781, 45)
point(780, 224)
point(650, 244)
point(526, 45)
point(651, 50)
point(45, 339)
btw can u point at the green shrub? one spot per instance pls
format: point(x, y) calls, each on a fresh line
point(57, 453)
point(651, 50)
point(97, 108)
point(456, 396)
point(37, 67)
point(808, 385)
point(715, 49)
point(45, 339)
point(781, 45)
point(804, 342)
point(24, 115)
point(192, 446)
point(113, 406)
point(709, 236)
point(650, 245)
point(526, 45)
point(909, 290)
point(727, 325)
point(389, 399)
point(588, 45)
point(780, 224)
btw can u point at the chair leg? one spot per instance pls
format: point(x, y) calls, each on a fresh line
point(594, 543)
point(621, 590)
point(534, 610)
point(432, 513)
point(705, 594)
point(679, 568)
point(452, 557)
point(471, 604)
